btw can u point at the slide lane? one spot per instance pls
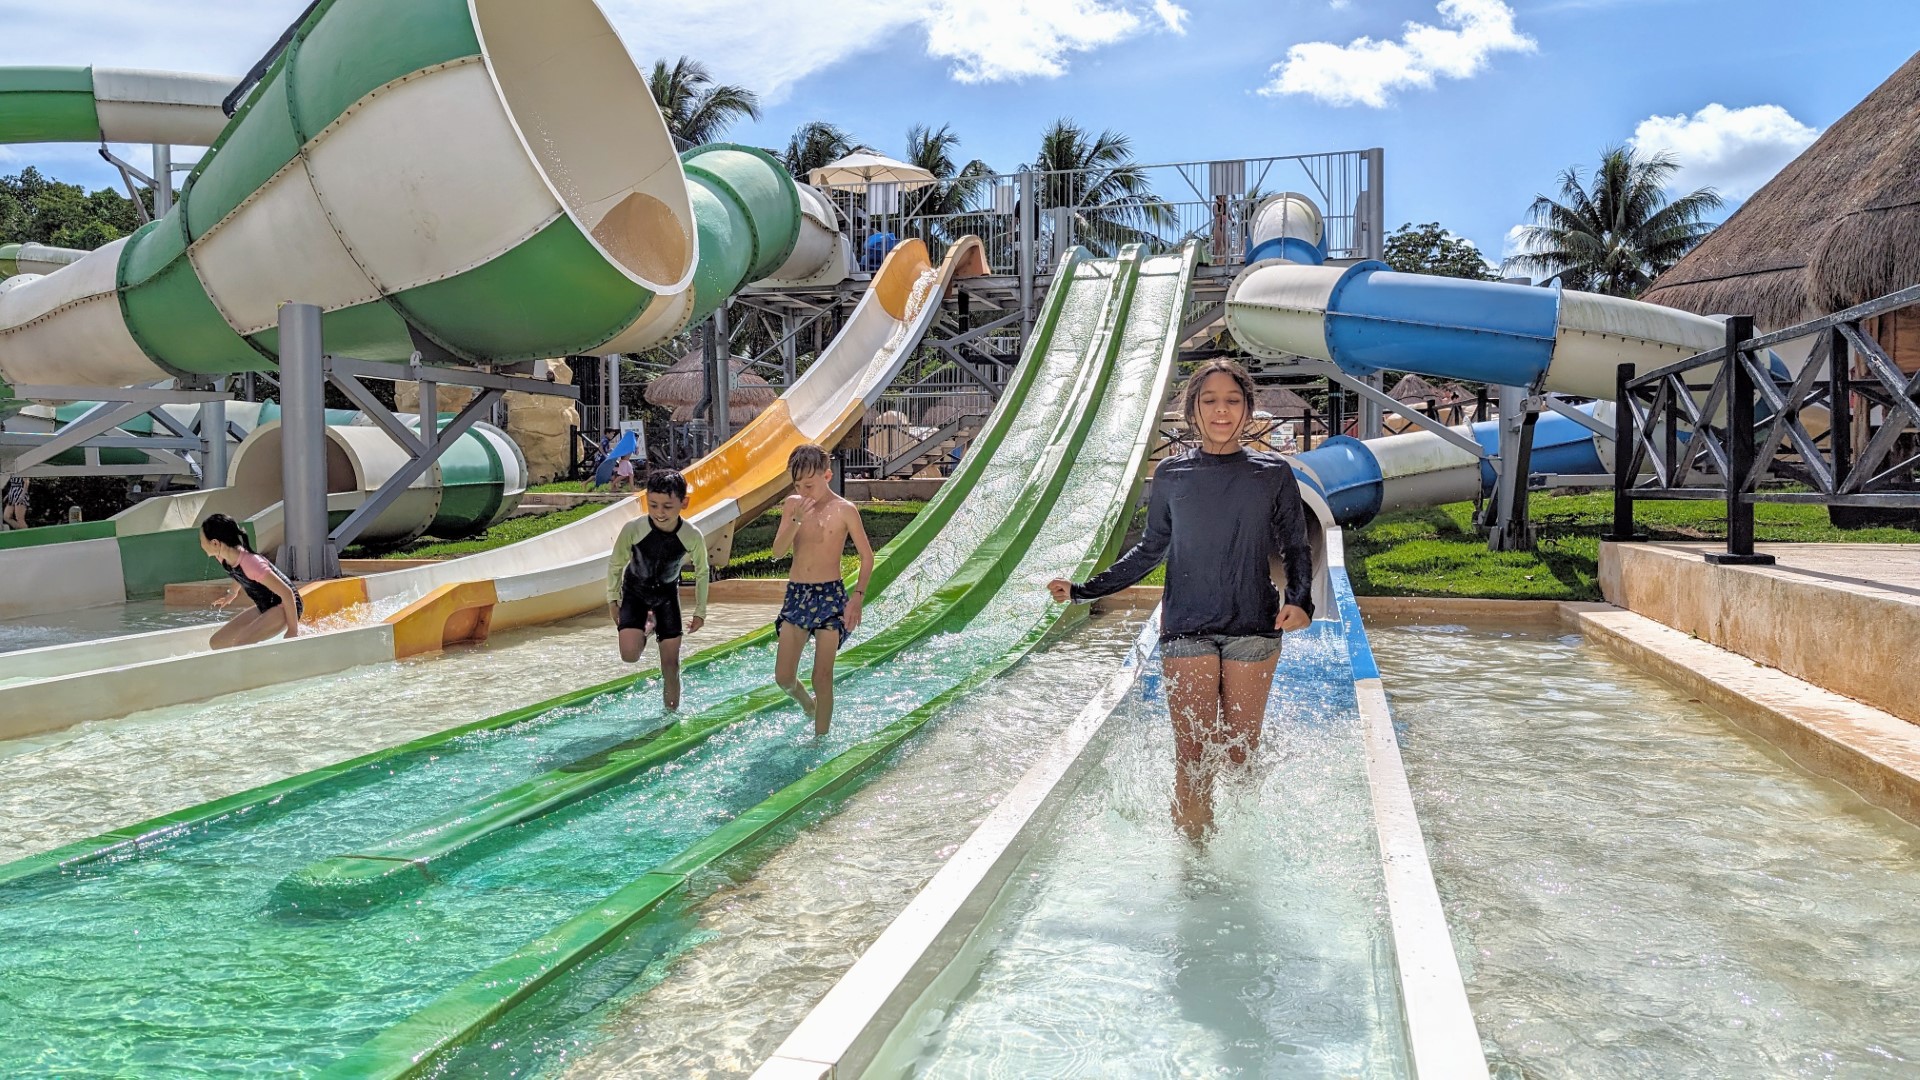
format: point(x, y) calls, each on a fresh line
point(412, 859)
point(1094, 486)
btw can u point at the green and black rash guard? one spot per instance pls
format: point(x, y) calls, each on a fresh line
point(1217, 520)
point(650, 559)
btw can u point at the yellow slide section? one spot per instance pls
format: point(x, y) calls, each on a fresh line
point(560, 574)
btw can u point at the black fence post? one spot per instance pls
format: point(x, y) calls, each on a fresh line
point(1625, 449)
point(1840, 402)
point(1740, 452)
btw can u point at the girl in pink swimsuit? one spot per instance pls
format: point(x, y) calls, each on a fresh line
point(276, 604)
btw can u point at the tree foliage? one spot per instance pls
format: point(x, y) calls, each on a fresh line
point(1112, 199)
point(1616, 236)
point(815, 144)
point(1430, 249)
point(35, 209)
point(697, 109)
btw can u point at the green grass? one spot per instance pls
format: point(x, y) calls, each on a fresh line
point(1437, 552)
point(511, 531)
point(753, 543)
point(570, 487)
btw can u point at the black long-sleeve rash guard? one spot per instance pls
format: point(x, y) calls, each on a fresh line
point(1218, 519)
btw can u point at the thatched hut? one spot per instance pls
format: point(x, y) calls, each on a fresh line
point(1840, 225)
point(681, 387)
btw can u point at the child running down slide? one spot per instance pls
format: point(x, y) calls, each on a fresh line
point(643, 579)
point(815, 524)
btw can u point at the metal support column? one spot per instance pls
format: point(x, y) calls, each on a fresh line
point(789, 349)
point(213, 429)
point(1026, 226)
point(719, 359)
point(1510, 530)
point(613, 392)
point(1370, 412)
point(303, 445)
point(162, 178)
point(1740, 454)
point(1374, 243)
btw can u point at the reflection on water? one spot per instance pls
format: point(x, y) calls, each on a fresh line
point(1636, 887)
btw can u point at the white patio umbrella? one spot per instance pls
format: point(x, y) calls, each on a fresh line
point(865, 166)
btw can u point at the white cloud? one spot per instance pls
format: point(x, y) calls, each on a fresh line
point(770, 45)
point(1511, 244)
point(1368, 72)
point(1733, 151)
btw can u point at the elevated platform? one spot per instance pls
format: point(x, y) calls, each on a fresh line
point(1844, 617)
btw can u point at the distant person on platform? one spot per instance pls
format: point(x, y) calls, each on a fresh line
point(14, 504)
point(643, 579)
point(815, 524)
point(276, 603)
point(1218, 515)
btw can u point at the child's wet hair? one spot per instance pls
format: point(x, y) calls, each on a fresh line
point(222, 529)
point(667, 482)
point(806, 460)
point(1190, 397)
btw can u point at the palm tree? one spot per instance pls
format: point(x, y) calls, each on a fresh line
point(1618, 235)
point(815, 144)
point(697, 110)
point(1112, 200)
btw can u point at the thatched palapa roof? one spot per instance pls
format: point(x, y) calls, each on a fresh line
point(681, 387)
point(1838, 226)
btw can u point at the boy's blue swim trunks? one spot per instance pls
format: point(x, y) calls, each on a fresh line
point(814, 606)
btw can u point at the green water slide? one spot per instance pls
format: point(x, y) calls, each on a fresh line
point(362, 148)
point(383, 871)
point(1045, 492)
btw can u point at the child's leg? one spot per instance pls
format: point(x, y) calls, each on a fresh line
point(1245, 688)
point(1193, 699)
point(670, 672)
point(786, 665)
point(246, 628)
point(633, 642)
point(826, 643)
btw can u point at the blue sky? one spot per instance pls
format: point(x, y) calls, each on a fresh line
point(1478, 103)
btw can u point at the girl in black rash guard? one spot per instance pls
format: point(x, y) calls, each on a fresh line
point(1217, 516)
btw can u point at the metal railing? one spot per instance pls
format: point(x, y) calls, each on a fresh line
point(1846, 428)
point(1165, 206)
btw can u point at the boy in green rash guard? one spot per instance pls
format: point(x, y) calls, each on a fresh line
point(643, 579)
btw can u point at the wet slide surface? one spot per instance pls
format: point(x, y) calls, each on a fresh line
point(307, 990)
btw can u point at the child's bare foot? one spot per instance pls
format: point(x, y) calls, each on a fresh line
point(821, 725)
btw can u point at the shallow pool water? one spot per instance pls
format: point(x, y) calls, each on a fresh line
point(761, 950)
point(1639, 888)
point(74, 783)
point(94, 623)
point(1123, 949)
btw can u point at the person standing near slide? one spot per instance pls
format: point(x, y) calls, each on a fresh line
point(276, 604)
point(1218, 515)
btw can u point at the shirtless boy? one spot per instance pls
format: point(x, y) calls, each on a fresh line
point(815, 524)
